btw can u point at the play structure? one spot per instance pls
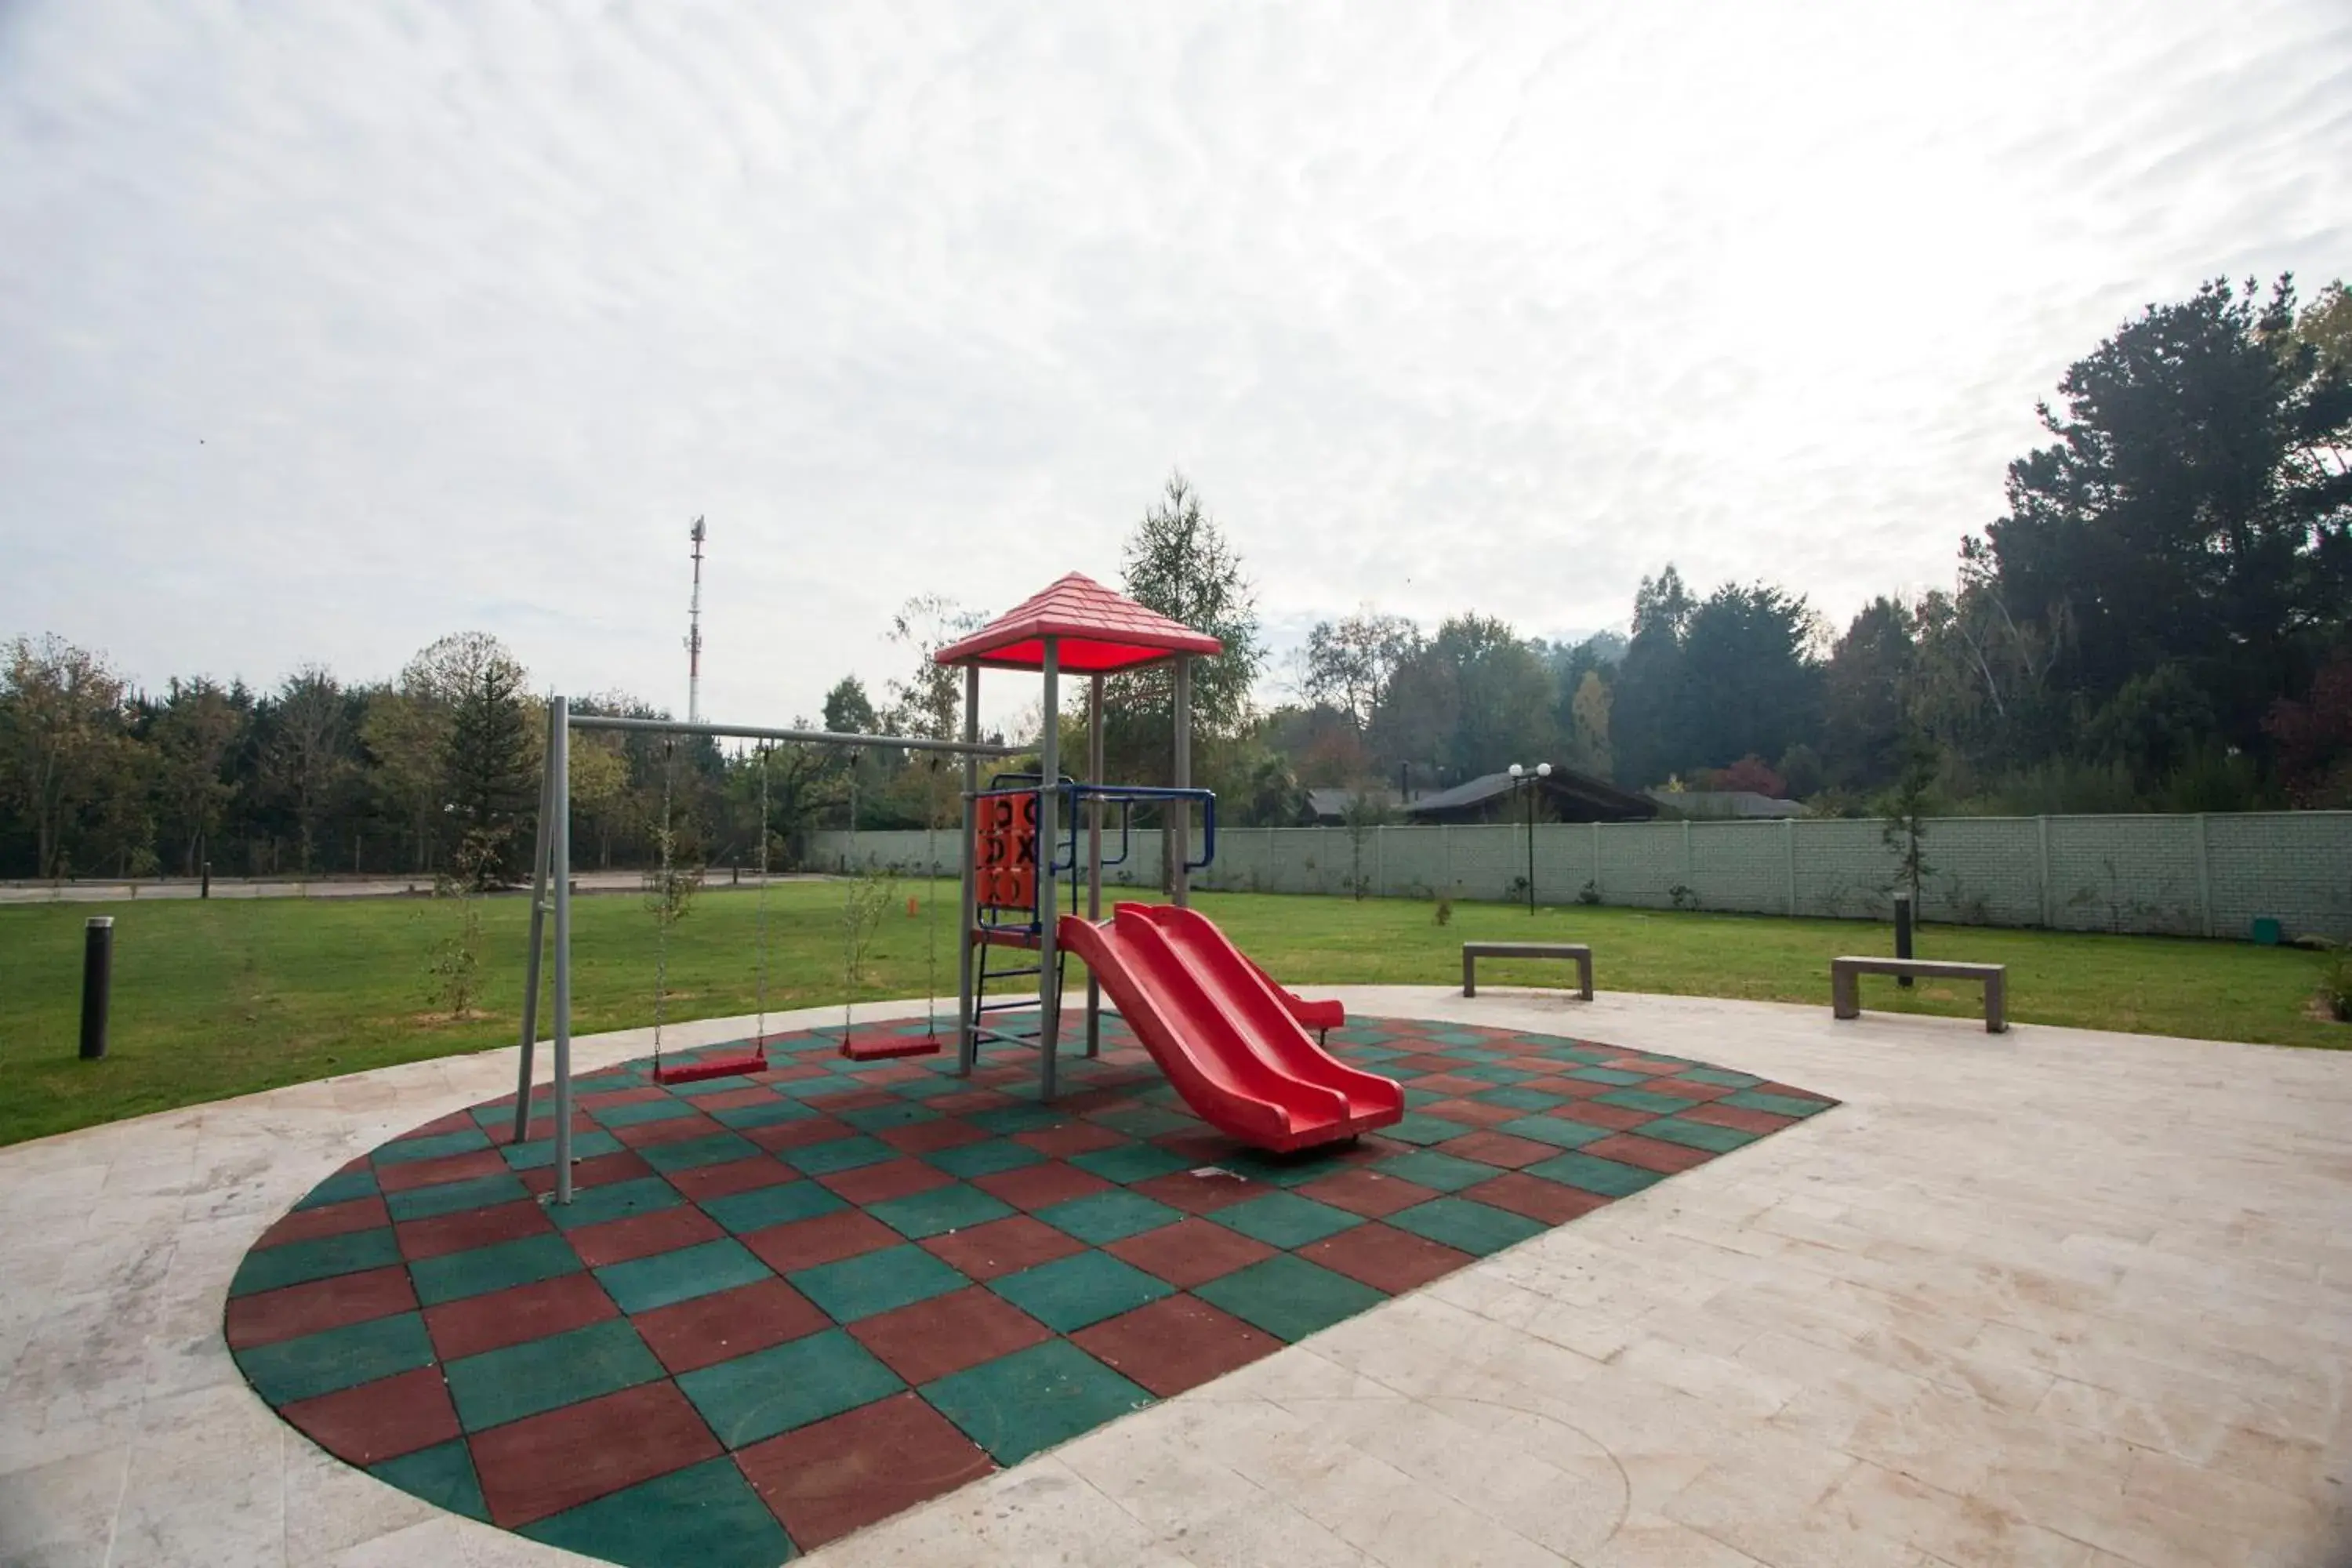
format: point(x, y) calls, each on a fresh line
point(1233, 1041)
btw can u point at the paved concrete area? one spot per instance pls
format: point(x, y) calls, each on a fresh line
point(2055, 1296)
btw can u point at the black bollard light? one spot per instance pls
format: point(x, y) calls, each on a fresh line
point(1903, 937)
point(97, 978)
point(204, 889)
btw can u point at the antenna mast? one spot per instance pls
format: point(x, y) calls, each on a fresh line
point(694, 631)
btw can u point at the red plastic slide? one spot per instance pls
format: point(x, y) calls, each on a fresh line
point(1316, 1016)
point(1220, 1031)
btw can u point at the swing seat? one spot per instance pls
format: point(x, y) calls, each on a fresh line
point(720, 1064)
point(882, 1047)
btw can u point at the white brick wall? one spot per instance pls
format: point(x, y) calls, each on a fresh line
point(2099, 873)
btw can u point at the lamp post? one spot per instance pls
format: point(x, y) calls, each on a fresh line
point(1531, 778)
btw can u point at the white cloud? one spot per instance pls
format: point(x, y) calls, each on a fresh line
point(330, 330)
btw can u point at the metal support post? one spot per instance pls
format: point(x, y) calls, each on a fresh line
point(968, 906)
point(1180, 820)
point(1049, 771)
point(538, 931)
point(1903, 935)
point(1094, 853)
point(97, 984)
point(559, 857)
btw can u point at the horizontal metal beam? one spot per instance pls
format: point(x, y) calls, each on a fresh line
point(806, 737)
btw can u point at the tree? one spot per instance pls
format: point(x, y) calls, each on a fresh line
point(2314, 737)
point(1589, 748)
point(929, 701)
point(308, 760)
point(60, 735)
point(1865, 690)
point(1178, 562)
point(192, 733)
point(1750, 683)
point(1906, 812)
point(848, 710)
point(404, 731)
point(487, 762)
point(1351, 662)
point(1646, 714)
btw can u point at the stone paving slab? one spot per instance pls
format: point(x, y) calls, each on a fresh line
point(2054, 1297)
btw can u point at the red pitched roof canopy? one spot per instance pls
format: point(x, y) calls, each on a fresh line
point(1100, 631)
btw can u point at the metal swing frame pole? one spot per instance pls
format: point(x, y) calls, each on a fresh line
point(968, 904)
point(1179, 886)
point(1094, 853)
point(539, 912)
point(1049, 793)
point(559, 855)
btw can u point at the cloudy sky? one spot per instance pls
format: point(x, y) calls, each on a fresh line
point(325, 330)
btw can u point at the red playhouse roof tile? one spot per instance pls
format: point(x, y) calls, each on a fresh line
point(1100, 631)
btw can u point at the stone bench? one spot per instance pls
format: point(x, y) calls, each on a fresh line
point(1472, 951)
point(1846, 983)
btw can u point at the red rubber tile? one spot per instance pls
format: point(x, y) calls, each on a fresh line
point(455, 1121)
point(1070, 1138)
point(970, 1101)
point(1037, 1186)
point(795, 1073)
point(844, 1473)
point(669, 1129)
point(597, 1099)
point(891, 1179)
point(1385, 1257)
point(1549, 1202)
point(329, 1219)
point(379, 1420)
point(930, 1137)
point(643, 1235)
point(1189, 1252)
point(1475, 1112)
point(1682, 1089)
point(1741, 1120)
point(728, 1099)
point(545, 1464)
point(320, 1304)
point(442, 1234)
point(1498, 1149)
point(947, 1333)
point(705, 1182)
point(620, 1166)
point(1647, 1153)
point(1451, 1085)
point(721, 1327)
point(503, 1318)
point(853, 1099)
point(1001, 1246)
point(778, 1136)
point(401, 1178)
point(1368, 1193)
point(1175, 1343)
point(827, 1238)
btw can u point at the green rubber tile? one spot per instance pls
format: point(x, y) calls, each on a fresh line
point(706, 1514)
point(452, 1197)
point(755, 1397)
point(1418, 1128)
point(873, 1118)
point(765, 1114)
point(322, 1257)
point(1294, 1169)
point(1084, 1288)
point(1288, 1297)
point(613, 1200)
point(984, 1159)
point(1368, 1053)
point(1466, 1224)
point(1428, 1168)
point(1102, 1217)
point(1145, 1120)
point(442, 1475)
point(1129, 1163)
point(338, 1358)
point(1722, 1076)
point(1008, 1120)
point(1502, 1074)
point(703, 1087)
point(688, 1154)
point(1423, 1098)
point(1027, 1402)
point(780, 1204)
point(459, 1275)
point(1287, 1221)
point(339, 1188)
point(840, 1154)
point(503, 1386)
point(1610, 1076)
point(1518, 1099)
point(873, 1282)
point(1610, 1178)
point(1697, 1134)
point(1642, 1100)
point(941, 1209)
point(1556, 1130)
point(927, 1088)
point(668, 1277)
point(465, 1140)
point(1777, 1104)
point(1464, 1044)
point(635, 1111)
point(540, 1152)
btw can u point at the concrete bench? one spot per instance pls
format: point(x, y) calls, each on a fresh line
point(1846, 983)
point(1472, 951)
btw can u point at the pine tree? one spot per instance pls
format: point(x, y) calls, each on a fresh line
point(488, 770)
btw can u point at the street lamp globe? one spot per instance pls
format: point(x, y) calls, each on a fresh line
point(1543, 770)
point(1517, 770)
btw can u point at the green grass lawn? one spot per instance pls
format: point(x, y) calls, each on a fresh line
point(222, 998)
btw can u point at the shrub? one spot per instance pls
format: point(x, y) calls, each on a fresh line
point(1446, 911)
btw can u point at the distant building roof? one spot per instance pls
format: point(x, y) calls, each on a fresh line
point(1726, 802)
point(1335, 803)
point(1580, 796)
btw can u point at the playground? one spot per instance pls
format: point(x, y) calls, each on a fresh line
point(1141, 1240)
